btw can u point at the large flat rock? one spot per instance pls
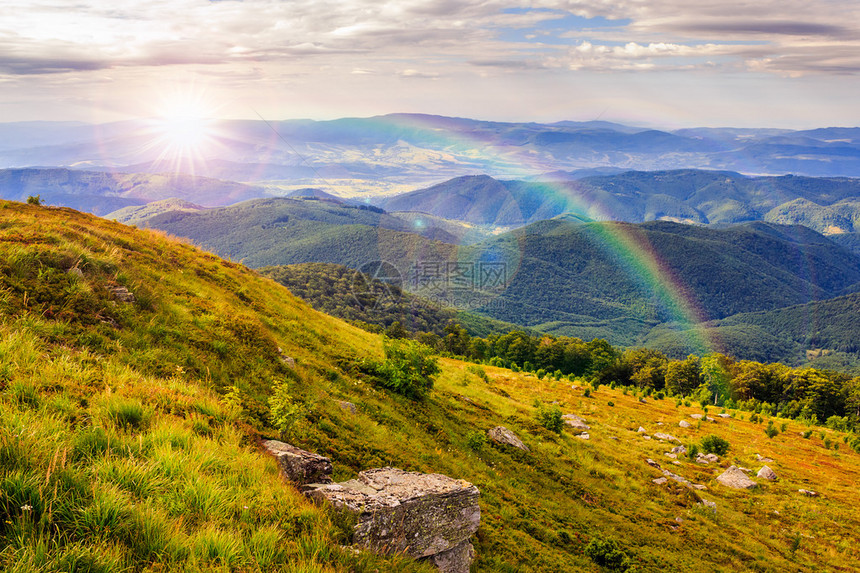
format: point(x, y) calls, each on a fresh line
point(421, 515)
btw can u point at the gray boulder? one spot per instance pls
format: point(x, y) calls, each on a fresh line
point(575, 422)
point(121, 294)
point(502, 435)
point(297, 465)
point(735, 479)
point(421, 515)
point(667, 437)
point(679, 450)
point(348, 406)
point(767, 473)
point(684, 424)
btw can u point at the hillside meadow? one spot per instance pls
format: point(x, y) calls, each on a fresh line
point(138, 373)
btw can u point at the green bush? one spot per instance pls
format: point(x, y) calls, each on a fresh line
point(476, 440)
point(478, 371)
point(550, 418)
point(806, 434)
point(540, 374)
point(607, 553)
point(714, 445)
point(408, 369)
point(771, 431)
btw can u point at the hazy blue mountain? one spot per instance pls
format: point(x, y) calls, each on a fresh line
point(419, 149)
point(103, 192)
point(138, 214)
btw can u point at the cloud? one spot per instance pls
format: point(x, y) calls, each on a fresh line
point(49, 37)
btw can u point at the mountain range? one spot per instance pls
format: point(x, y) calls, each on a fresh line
point(418, 149)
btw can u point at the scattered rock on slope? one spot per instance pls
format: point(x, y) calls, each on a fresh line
point(502, 435)
point(684, 424)
point(667, 437)
point(736, 479)
point(297, 465)
point(422, 515)
point(767, 473)
point(575, 422)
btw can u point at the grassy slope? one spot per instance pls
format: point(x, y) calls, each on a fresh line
point(181, 486)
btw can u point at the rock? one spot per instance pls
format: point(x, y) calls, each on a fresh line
point(724, 415)
point(677, 463)
point(348, 406)
point(745, 470)
point(709, 419)
point(121, 294)
point(707, 458)
point(810, 493)
point(641, 430)
point(455, 560)
point(660, 481)
point(575, 422)
point(646, 437)
point(297, 465)
point(671, 455)
point(289, 361)
point(584, 436)
point(767, 473)
point(679, 450)
point(420, 515)
point(709, 504)
point(696, 416)
point(763, 460)
point(699, 486)
point(685, 424)
point(736, 479)
point(667, 437)
point(76, 271)
point(652, 463)
point(502, 435)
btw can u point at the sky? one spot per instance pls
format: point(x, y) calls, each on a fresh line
point(660, 63)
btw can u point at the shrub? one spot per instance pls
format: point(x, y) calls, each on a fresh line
point(587, 392)
point(806, 434)
point(610, 403)
point(34, 200)
point(286, 411)
point(476, 440)
point(540, 374)
point(771, 431)
point(715, 445)
point(607, 553)
point(692, 451)
point(478, 371)
point(550, 418)
point(408, 369)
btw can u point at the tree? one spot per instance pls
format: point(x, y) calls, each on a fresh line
point(683, 376)
point(34, 200)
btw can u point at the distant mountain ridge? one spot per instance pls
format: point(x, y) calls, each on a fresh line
point(692, 196)
point(421, 149)
point(101, 192)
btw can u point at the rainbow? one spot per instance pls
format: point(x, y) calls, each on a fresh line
point(636, 256)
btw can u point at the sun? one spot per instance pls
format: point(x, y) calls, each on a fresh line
point(183, 131)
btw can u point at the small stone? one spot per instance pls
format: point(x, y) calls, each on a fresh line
point(671, 455)
point(575, 422)
point(646, 437)
point(76, 271)
point(735, 479)
point(724, 415)
point(652, 463)
point(685, 424)
point(289, 361)
point(660, 481)
point(710, 505)
point(696, 416)
point(641, 430)
point(679, 450)
point(667, 437)
point(121, 294)
point(583, 436)
point(767, 473)
point(677, 463)
point(679, 520)
point(762, 459)
point(699, 486)
point(348, 406)
point(502, 435)
point(808, 492)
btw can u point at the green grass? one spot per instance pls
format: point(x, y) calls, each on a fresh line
point(139, 451)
